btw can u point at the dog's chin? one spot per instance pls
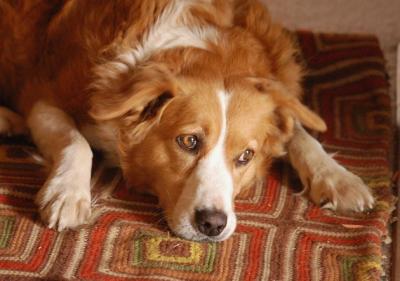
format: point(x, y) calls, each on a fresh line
point(183, 226)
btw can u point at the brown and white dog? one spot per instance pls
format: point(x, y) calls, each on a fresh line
point(192, 99)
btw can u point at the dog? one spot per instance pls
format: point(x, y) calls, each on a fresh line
point(193, 100)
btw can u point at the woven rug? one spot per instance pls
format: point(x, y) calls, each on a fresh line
point(280, 234)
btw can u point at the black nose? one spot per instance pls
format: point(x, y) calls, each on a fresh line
point(210, 222)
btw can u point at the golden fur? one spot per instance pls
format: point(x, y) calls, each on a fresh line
point(77, 56)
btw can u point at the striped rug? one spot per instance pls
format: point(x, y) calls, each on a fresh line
point(280, 234)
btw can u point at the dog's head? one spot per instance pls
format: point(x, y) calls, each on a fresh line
point(197, 134)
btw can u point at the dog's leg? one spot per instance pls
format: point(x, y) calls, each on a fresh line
point(329, 183)
point(64, 200)
point(11, 123)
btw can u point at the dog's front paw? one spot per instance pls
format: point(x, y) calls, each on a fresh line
point(64, 203)
point(333, 187)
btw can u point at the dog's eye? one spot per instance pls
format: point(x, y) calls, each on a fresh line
point(245, 157)
point(190, 143)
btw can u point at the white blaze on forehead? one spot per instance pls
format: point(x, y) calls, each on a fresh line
point(215, 186)
point(210, 186)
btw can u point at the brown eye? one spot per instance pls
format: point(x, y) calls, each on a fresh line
point(245, 157)
point(190, 143)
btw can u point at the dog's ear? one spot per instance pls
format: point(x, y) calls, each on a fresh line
point(291, 107)
point(138, 94)
point(288, 110)
point(136, 101)
point(288, 105)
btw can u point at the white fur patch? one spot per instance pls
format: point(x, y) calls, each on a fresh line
point(171, 30)
point(210, 186)
point(64, 200)
point(215, 181)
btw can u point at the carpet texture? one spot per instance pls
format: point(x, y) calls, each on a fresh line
point(346, 16)
point(280, 234)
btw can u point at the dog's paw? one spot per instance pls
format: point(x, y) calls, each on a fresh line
point(335, 188)
point(64, 203)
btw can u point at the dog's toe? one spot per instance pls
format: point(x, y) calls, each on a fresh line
point(63, 207)
point(341, 190)
point(74, 212)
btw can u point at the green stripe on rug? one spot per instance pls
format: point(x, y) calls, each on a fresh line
point(6, 230)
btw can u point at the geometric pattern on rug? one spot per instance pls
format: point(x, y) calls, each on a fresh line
point(280, 234)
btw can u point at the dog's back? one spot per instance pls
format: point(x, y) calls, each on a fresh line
point(22, 30)
point(57, 43)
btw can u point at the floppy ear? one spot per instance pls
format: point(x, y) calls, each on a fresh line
point(284, 58)
point(288, 105)
point(136, 100)
point(301, 113)
point(284, 118)
point(139, 93)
